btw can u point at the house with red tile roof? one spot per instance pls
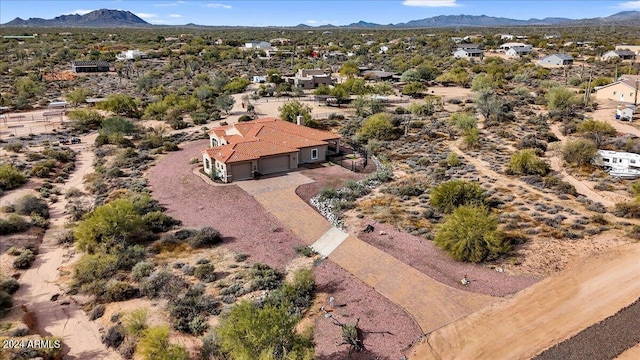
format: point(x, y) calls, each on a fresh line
point(265, 146)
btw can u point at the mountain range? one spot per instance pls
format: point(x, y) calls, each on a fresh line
point(122, 19)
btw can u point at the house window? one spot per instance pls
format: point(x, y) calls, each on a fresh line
point(207, 164)
point(606, 160)
point(614, 92)
point(633, 161)
point(314, 154)
point(214, 142)
point(615, 160)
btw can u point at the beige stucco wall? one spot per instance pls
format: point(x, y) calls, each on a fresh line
point(305, 154)
point(614, 93)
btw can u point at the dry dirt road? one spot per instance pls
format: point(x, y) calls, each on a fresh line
point(80, 336)
point(555, 309)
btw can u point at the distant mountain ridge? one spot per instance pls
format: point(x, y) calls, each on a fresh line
point(121, 18)
point(96, 18)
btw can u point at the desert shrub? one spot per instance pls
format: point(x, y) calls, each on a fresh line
point(141, 270)
point(157, 221)
point(453, 160)
point(471, 139)
point(10, 177)
point(470, 233)
point(15, 147)
point(97, 312)
point(189, 312)
point(297, 295)
point(154, 345)
point(252, 332)
point(629, 209)
point(24, 260)
point(554, 182)
point(526, 162)
point(531, 142)
point(596, 131)
point(114, 336)
point(328, 192)
point(135, 322)
point(115, 290)
point(206, 236)
point(205, 273)
point(39, 221)
point(379, 127)
point(305, 251)
point(170, 146)
point(29, 204)
point(128, 348)
point(264, 277)
point(579, 152)
point(635, 189)
point(12, 224)
point(5, 302)
point(91, 272)
point(162, 283)
point(43, 169)
point(451, 194)
point(241, 257)
point(9, 285)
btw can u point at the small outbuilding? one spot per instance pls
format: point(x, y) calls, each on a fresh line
point(556, 60)
point(90, 66)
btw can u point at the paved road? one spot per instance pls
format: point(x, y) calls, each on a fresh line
point(431, 303)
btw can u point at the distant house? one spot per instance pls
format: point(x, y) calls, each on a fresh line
point(467, 46)
point(556, 60)
point(519, 51)
point(468, 54)
point(380, 75)
point(131, 55)
point(507, 37)
point(265, 146)
point(619, 54)
point(310, 78)
point(509, 45)
point(89, 66)
point(257, 45)
point(625, 89)
point(634, 48)
point(257, 79)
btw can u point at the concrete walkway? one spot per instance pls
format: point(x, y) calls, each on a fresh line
point(431, 303)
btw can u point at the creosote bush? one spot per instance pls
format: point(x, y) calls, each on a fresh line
point(451, 194)
point(526, 162)
point(579, 152)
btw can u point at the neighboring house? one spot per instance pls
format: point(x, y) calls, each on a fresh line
point(89, 66)
point(257, 45)
point(467, 46)
point(634, 48)
point(468, 54)
point(310, 78)
point(507, 37)
point(131, 55)
point(618, 54)
point(380, 75)
point(509, 45)
point(265, 146)
point(519, 51)
point(625, 89)
point(556, 60)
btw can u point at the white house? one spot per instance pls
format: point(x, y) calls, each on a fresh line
point(257, 45)
point(509, 45)
point(468, 54)
point(618, 54)
point(556, 60)
point(519, 51)
point(131, 55)
point(507, 37)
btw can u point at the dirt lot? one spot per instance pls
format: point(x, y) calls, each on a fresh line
point(589, 291)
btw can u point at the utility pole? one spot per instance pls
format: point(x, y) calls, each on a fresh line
point(635, 100)
point(587, 93)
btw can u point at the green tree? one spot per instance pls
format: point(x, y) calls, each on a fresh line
point(237, 85)
point(10, 177)
point(470, 233)
point(413, 89)
point(85, 120)
point(382, 88)
point(579, 152)
point(225, 102)
point(526, 162)
point(422, 108)
point(488, 104)
point(377, 126)
point(290, 111)
point(340, 93)
point(595, 130)
point(484, 82)
point(349, 69)
point(561, 100)
point(452, 194)
point(250, 332)
point(109, 225)
point(322, 90)
point(120, 104)
point(154, 345)
point(78, 95)
point(28, 88)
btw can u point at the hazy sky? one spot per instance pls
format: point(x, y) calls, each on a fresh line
point(292, 12)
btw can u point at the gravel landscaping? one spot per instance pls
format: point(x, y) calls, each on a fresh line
point(246, 227)
point(388, 330)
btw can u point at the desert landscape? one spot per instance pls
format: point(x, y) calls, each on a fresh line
point(210, 196)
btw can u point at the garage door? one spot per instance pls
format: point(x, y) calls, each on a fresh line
point(241, 171)
point(274, 164)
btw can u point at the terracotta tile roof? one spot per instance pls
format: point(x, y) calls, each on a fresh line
point(265, 137)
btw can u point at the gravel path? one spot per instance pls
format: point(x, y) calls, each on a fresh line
point(619, 332)
point(244, 224)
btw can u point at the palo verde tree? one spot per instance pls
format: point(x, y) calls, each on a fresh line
point(595, 130)
point(292, 109)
